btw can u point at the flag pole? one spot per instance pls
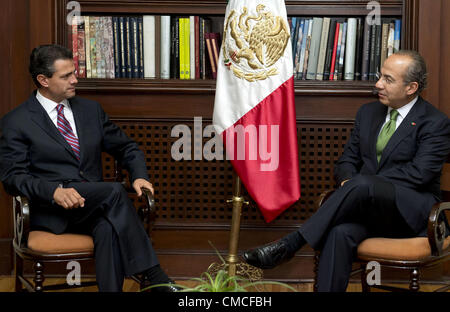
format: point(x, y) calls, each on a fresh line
point(238, 201)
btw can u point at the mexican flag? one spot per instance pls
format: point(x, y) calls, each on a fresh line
point(254, 109)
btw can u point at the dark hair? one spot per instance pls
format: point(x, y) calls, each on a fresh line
point(43, 58)
point(417, 71)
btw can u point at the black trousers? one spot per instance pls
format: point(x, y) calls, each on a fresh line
point(121, 245)
point(364, 207)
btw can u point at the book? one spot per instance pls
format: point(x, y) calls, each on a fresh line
point(128, 47)
point(330, 46)
point(301, 61)
point(101, 64)
point(165, 47)
point(135, 47)
point(323, 48)
point(340, 68)
point(187, 49)
point(208, 39)
point(74, 27)
point(335, 45)
point(197, 46)
point(123, 47)
point(398, 31)
point(298, 58)
point(140, 22)
point(365, 67)
point(87, 46)
point(93, 45)
point(294, 33)
point(116, 38)
point(175, 48)
point(377, 51)
point(192, 47)
point(390, 46)
point(149, 46)
point(81, 49)
point(384, 41)
point(314, 48)
point(307, 48)
point(349, 71)
point(206, 66)
point(372, 70)
point(215, 39)
point(182, 48)
point(359, 48)
point(108, 47)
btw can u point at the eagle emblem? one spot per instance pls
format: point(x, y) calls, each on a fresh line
point(252, 44)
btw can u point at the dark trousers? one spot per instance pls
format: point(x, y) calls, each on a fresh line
point(364, 207)
point(121, 245)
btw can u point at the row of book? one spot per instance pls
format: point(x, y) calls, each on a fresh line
point(149, 46)
point(327, 48)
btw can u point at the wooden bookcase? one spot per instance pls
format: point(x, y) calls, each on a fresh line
point(191, 195)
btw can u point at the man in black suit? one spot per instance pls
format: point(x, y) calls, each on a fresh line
point(50, 152)
point(388, 175)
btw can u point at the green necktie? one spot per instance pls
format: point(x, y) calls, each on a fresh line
point(386, 133)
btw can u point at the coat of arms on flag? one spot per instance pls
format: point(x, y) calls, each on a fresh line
point(254, 109)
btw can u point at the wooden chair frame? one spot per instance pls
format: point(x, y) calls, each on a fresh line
point(436, 237)
point(21, 210)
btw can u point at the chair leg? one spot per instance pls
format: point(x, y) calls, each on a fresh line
point(414, 283)
point(19, 272)
point(38, 276)
point(316, 269)
point(365, 287)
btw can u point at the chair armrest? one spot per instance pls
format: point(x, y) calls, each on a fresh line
point(21, 209)
point(146, 212)
point(436, 228)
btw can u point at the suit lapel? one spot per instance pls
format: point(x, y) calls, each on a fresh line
point(377, 122)
point(408, 124)
point(39, 116)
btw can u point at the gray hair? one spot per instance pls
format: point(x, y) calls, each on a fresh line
point(417, 71)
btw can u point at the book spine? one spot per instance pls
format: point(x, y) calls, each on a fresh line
point(215, 39)
point(323, 48)
point(109, 45)
point(307, 49)
point(315, 47)
point(127, 32)
point(197, 47)
point(366, 51)
point(123, 45)
point(140, 21)
point(333, 58)
point(298, 66)
point(384, 42)
point(301, 61)
point(359, 45)
point(187, 49)
point(373, 34)
point(329, 54)
point(157, 47)
point(135, 48)
point(74, 27)
point(149, 46)
point(377, 51)
point(93, 40)
point(81, 49)
point(87, 35)
point(116, 35)
point(349, 72)
point(176, 67)
point(338, 52)
point(294, 31)
point(182, 48)
point(192, 47)
point(165, 47)
point(101, 73)
point(391, 38)
point(342, 53)
point(202, 48)
point(210, 54)
point(398, 31)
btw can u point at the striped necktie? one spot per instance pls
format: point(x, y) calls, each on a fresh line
point(66, 131)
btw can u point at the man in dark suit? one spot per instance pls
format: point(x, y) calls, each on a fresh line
point(388, 175)
point(50, 152)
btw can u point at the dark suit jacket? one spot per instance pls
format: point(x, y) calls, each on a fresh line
point(35, 158)
point(412, 160)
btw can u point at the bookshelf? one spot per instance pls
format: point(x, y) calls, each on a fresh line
point(191, 195)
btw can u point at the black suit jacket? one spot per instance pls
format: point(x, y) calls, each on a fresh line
point(35, 158)
point(412, 160)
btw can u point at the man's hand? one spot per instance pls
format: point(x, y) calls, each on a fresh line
point(68, 198)
point(142, 183)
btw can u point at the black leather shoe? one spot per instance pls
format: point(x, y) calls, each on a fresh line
point(269, 255)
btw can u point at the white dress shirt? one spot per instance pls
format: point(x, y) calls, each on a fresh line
point(50, 108)
point(402, 112)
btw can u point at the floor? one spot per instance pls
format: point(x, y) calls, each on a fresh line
point(7, 285)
